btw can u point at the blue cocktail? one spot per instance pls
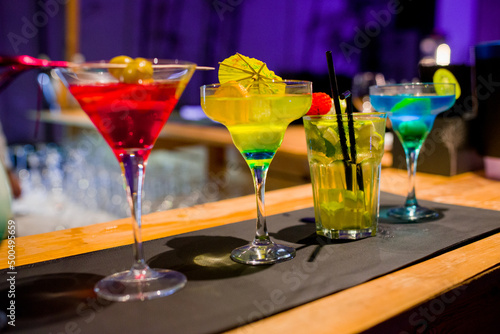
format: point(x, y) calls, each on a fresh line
point(412, 109)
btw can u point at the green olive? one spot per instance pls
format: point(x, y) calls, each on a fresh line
point(139, 70)
point(117, 72)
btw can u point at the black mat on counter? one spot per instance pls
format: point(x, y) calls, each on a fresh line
point(57, 297)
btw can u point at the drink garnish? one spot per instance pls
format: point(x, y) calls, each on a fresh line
point(117, 72)
point(413, 104)
point(138, 70)
point(231, 89)
point(321, 104)
point(443, 75)
point(252, 73)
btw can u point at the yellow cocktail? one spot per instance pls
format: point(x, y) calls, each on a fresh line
point(257, 123)
point(257, 117)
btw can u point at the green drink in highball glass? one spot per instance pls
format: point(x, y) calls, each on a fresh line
point(345, 192)
point(257, 116)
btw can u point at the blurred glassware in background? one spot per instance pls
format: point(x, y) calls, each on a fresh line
point(434, 51)
point(360, 93)
point(45, 81)
point(5, 202)
point(193, 113)
point(78, 184)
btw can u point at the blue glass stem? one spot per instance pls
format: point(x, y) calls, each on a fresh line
point(411, 162)
point(133, 169)
point(259, 174)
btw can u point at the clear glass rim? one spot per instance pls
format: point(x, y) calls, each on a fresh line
point(377, 89)
point(287, 81)
point(156, 62)
point(414, 84)
point(345, 115)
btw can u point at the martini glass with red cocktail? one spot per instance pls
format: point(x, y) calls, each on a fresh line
point(129, 101)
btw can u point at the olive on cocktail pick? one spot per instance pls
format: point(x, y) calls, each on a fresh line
point(117, 72)
point(137, 70)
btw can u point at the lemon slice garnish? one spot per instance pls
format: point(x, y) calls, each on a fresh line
point(231, 89)
point(442, 75)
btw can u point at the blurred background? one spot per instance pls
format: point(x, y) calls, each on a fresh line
point(388, 38)
point(382, 36)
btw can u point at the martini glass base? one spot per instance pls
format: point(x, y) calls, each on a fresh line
point(125, 286)
point(413, 213)
point(259, 254)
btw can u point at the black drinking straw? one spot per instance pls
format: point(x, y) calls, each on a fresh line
point(347, 96)
point(338, 111)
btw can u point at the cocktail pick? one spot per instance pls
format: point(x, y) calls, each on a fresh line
point(29, 61)
point(33, 62)
point(338, 111)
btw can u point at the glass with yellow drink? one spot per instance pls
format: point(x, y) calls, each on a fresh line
point(345, 188)
point(257, 116)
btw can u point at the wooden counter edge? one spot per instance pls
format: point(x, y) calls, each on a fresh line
point(79, 240)
point(361, 307)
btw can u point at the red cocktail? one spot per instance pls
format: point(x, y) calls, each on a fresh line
point(129, 101)
point(128, 116)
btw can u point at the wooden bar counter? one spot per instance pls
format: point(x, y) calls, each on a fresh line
point(352, 310)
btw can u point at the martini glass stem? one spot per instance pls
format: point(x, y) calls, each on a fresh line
point(411, 161)
point(259, 174)
point(133, 169)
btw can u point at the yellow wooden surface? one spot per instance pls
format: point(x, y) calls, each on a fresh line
point(366, 305)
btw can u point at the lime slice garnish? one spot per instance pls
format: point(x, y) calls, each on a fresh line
point(442, 75)
point(343, 106)
point(413, 105)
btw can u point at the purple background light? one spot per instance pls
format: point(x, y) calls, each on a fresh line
point(291, 36)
